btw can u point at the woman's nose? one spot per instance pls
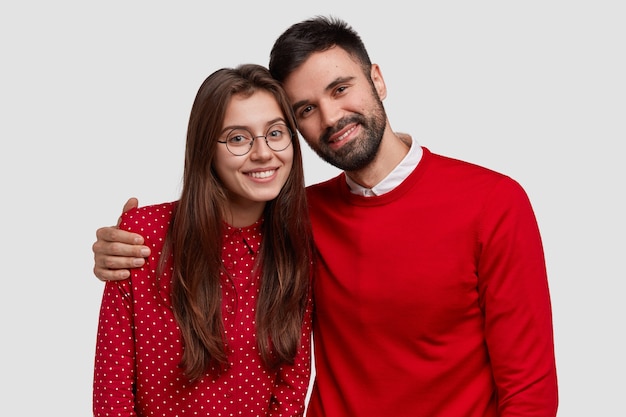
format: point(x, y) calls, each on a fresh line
point(260, 149)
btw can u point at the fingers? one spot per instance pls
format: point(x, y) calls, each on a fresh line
point(112, 243)
point(116, 251)
point(111, 234)
point(107, 265)
point(131, 203)
point(104, 274)
point(112, 260)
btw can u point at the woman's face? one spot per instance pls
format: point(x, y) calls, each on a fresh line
point(258, 176)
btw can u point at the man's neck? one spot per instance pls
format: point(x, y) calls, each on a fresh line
point(393, 148)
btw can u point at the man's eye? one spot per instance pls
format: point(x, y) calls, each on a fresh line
point(306, 109)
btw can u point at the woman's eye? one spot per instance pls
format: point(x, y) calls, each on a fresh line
point(237, 139)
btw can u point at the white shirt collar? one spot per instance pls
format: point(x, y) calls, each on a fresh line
point(395, 177)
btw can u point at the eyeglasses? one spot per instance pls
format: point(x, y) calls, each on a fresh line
point(239, 141)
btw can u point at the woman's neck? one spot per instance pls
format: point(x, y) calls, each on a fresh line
point(242, 215)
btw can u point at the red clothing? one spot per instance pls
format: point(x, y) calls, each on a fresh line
point(431, 300)
point(139, 344)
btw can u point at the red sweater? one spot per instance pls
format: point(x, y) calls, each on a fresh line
point(431, 300)
point(139, 344)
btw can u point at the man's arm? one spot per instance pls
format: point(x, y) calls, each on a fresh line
point(515, 300)
point(116, 251)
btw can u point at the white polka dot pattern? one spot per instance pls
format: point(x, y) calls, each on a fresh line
point(139, 345)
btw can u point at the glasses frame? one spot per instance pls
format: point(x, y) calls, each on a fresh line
point(267, 142)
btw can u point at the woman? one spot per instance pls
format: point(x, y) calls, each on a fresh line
point(217, 322)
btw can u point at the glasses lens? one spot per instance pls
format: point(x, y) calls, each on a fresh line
point(239, 141)
point(278, 137)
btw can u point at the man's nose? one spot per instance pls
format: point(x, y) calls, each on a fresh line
point(330, 114)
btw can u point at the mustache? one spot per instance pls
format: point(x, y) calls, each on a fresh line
point(355, 118)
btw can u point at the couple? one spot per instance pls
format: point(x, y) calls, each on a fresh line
point(429, 288)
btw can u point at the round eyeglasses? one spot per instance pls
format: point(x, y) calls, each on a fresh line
point(239, 141)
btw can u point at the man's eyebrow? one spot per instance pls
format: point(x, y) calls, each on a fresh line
point(330, 86)
point(299, 104)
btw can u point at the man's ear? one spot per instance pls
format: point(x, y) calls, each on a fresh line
point(379, 82)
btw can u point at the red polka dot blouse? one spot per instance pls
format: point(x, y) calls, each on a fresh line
point(139, 345)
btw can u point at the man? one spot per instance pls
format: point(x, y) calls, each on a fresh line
point(431, 291)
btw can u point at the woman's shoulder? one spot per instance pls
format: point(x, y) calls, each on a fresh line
point(149, 221)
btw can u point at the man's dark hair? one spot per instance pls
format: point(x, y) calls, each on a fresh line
point(317, 34)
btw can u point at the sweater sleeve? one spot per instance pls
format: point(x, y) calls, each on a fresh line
point(114, 375)
point(514, 296)
point(292, 381)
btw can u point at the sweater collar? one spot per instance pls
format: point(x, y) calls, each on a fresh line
point(395, 177)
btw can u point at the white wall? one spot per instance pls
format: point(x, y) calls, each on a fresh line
point(94, 101)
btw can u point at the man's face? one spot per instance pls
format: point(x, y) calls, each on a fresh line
point(339, 110)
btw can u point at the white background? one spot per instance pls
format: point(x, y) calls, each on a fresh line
point(94, 101)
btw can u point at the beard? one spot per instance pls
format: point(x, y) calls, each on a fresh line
point(362, 150)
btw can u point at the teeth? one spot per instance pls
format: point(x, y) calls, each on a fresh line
point(344, 135)
point(263, 174)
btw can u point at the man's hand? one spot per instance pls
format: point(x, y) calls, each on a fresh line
point(115, 250)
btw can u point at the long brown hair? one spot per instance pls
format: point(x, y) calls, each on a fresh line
point(195, 237)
